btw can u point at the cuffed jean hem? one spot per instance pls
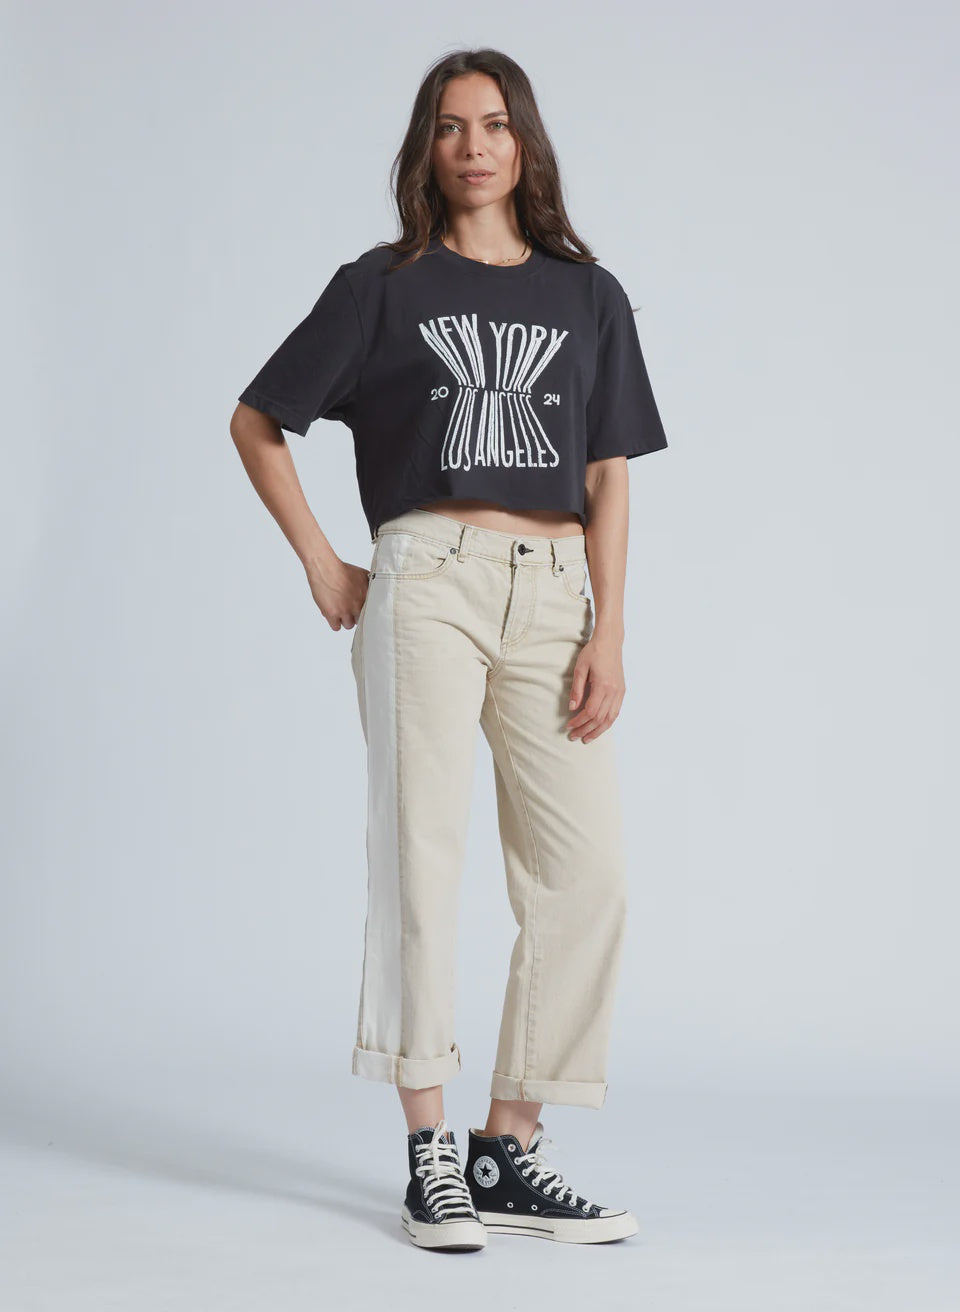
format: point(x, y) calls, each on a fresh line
point(409, 1072)
point(571, 1093)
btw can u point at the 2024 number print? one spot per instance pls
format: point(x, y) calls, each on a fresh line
point(437, 394)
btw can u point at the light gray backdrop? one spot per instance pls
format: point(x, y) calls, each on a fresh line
point(184, 885)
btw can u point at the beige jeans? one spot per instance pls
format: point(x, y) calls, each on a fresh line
point(464, 626)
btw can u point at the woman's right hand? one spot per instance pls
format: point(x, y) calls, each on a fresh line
point(339, 592)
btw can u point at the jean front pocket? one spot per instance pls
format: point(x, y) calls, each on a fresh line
point(574, 575)
point(401, 554)
point(356, 627)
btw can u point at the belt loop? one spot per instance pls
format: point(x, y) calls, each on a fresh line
point(555, 555)
point(464, 543)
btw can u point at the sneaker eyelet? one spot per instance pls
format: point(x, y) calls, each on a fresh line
point(585, 1207)
point(533, 1207)
point(509, 1204)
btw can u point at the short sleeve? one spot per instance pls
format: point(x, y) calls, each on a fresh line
point(622, 415)
point(314, 373)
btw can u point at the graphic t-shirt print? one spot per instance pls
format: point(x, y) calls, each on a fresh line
point(492, 422)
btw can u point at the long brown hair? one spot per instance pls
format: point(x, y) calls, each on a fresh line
point(421, 205)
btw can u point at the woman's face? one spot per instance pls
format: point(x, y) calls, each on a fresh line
point(474, 133)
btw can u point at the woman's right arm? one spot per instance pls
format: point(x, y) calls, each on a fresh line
point(338, 589)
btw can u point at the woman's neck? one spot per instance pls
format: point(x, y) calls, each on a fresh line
point(488, 242)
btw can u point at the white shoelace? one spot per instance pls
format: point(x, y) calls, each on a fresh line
point(444, 1188)
point(553, 1177)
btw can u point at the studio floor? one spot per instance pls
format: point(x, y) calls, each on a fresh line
point(279, 1199)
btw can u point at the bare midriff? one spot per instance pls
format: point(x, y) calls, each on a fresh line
point(488, 514)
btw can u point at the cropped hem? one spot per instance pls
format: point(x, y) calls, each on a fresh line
point(572, 1093)
point(408, 1072)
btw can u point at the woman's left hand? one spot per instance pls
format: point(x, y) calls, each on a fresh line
point(599, 668)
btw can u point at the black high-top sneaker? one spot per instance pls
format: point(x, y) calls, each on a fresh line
point(438, 1211)
point(517, 1193)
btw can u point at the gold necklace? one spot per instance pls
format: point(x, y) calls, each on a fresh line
point(479, 260)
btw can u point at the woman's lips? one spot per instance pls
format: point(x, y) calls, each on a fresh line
point(476, 178)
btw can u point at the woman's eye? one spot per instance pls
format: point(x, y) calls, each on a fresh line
point(498, 123)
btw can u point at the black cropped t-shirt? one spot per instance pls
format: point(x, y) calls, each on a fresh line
point(464, 379)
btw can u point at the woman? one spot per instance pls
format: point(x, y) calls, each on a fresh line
point(492, 376)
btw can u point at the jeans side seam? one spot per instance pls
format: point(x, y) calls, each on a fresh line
point(361, 676)
point(534, 961)
point(398, 766)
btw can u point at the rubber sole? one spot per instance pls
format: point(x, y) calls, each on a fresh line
point(456, 1236)
point(595, 1230)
